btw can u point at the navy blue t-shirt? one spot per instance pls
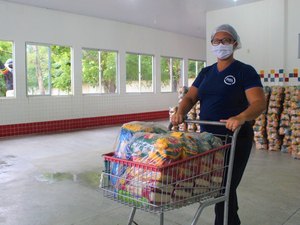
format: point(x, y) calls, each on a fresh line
point(222, 94)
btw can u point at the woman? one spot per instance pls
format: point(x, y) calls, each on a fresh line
point(229, 91)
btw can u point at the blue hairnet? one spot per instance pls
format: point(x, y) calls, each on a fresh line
point(230, 30)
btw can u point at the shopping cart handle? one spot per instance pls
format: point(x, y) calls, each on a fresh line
point(206, 122)
point(200, 122)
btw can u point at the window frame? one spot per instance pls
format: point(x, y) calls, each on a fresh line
point(140, 72)
point(99, 50)
point(181, 77)
point(49, 67)
point(197, 72)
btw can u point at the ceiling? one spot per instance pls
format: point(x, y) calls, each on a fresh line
point(186, 17)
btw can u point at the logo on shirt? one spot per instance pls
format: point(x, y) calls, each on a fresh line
point(229, 80)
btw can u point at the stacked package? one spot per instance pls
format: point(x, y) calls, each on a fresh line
point(159, 150)
point(181, 93)
point(260, 126)
point(260, 132)
point(285, 119)
point(273, 118)
point(295, 124)
point(172, 111)
point(192, 114)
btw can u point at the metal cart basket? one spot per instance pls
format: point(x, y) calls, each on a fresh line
point(203, 178)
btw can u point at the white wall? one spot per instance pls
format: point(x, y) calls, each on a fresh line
point(30, 24)
point(261, 27)
point(269, 32)
point(293, 30)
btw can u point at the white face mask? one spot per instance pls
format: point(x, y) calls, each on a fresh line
point(222, 51)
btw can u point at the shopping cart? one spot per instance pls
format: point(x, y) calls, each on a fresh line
point(203, 178)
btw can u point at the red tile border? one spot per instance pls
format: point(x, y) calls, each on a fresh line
point(77, 124)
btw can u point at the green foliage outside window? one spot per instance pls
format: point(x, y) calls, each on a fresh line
point(90, 67)
point(139, 73)
point(194, 67)
point(165, 70)
point(171, 72)
point(99, 70)
point(48, 70)
point(61, 68)
point(132, 68)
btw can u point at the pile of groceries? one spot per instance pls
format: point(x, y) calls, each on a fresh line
point(149, 143)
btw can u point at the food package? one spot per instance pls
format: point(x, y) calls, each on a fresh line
point(295, 123)
point(273, 118)
point(129, 129)
point(172, 111)
point(285, 120)
point(161, 149)
point(182, 193)
point(260, 126)
point(142, 195)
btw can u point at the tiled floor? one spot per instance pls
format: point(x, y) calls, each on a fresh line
point(53, 180)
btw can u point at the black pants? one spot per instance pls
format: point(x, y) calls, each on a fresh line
point(242, 152)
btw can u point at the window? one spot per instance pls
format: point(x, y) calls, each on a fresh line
point(195, 67)
point(99, 71)
point(48, 69)
point(6, 69)
point(171, 74)
point(139, 73)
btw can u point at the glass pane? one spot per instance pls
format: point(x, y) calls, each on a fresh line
point(176, 74)
point(132, 73)
point(99, 69)
point(146, 73)
point(201, 65)
point(192, 72)
point(48, 70)
point(60, 70)
point(6, 69)
point(195, 66)
point(90, 72)
point(108, 71)
point(165, 75)
point(38, 72)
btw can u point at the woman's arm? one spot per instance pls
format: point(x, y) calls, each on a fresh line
point(257, 105)
point(188, 101)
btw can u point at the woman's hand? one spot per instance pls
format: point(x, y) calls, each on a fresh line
point(233, 122)
point(186, 104)
point(177, 119)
